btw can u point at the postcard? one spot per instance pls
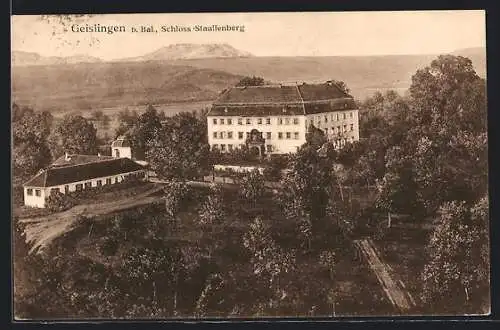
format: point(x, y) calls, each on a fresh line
point(237, 166)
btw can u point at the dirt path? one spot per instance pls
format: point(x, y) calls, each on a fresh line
point(42, 230)
point(394, 290)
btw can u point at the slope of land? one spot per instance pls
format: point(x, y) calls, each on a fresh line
point(152, 79)
point(101, 85)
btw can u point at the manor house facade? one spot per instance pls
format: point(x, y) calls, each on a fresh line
point(274, 119)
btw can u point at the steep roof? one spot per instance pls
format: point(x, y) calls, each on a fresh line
point(121, 141)
point(260, 94)
point(281, 100)
point(317, 92)
point(55, 176)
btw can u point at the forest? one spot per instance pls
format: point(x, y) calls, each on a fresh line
point(248, 251)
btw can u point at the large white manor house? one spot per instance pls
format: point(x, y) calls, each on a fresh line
point(275, 118)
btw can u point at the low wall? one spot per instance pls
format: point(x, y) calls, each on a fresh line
point(238, 168)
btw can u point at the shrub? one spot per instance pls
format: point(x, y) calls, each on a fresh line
point(57, 201)
point(109, 246)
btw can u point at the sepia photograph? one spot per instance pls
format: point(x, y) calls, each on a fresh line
point(227, 166)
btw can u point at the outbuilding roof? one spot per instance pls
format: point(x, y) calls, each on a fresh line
point(56, 176)
point(121, 142)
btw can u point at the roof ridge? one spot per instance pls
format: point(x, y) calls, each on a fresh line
point(301, 98)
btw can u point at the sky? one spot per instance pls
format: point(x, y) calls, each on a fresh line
point(265, 34)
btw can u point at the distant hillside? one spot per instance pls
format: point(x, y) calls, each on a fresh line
point(28, 58)
point(87, 86)
point(99, 85)
point(363, 74)
point(190, 51)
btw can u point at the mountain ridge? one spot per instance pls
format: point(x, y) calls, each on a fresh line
point(184, 51)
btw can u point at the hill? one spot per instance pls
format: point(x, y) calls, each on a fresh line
point(363, 74)
point(28, 58)
point(85, 86)
point(190, 51)
point(89, 86)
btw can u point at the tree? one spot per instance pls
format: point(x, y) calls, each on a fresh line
point(126, 119)
point(342, 86)
point(252, 186)
point(397, 189)
point(270, 263)
point(315, 137)
point(180, 150)
point(328, 260)
point(448, 96)
point(456, 274)
point(307, 187)
point(145, 129)
point(30, 131)
point(212, 211)
point(75, 135)
point(251, 81)
point(57, 201)
point(175, 194)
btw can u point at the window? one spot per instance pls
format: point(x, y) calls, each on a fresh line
point(344, 116)
point(54, 190)
point(215, 121)
point(268, 135)
point(222, 121)
point(352, 138)
point(280, 121)
point(288, 135)
point(268, 121)
point(295, 121)
point(229, 135)
point(230, 147)
point(38, 192)
point(350, 114)
point(296, 135)
point(240, 135)
point(215, 146)
point(326, 130)
point(338, 129)
point(242, 145)
point(240, 121)
point(30, 192)
point(79, 187)
point(249, 121)
point(337, 117)
point(99, 183)
point(326, 119)
point(259, 121)
point(345, 128)
point(269, 148)
point(66, 189)
point(229, 121)
point(287, 121)
point(221, 135)
point(280, 135)
point(116, 180)
point(215, 135)
point(352, 127)
point(223, 147)
point(108, 180)
point(88, 185)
